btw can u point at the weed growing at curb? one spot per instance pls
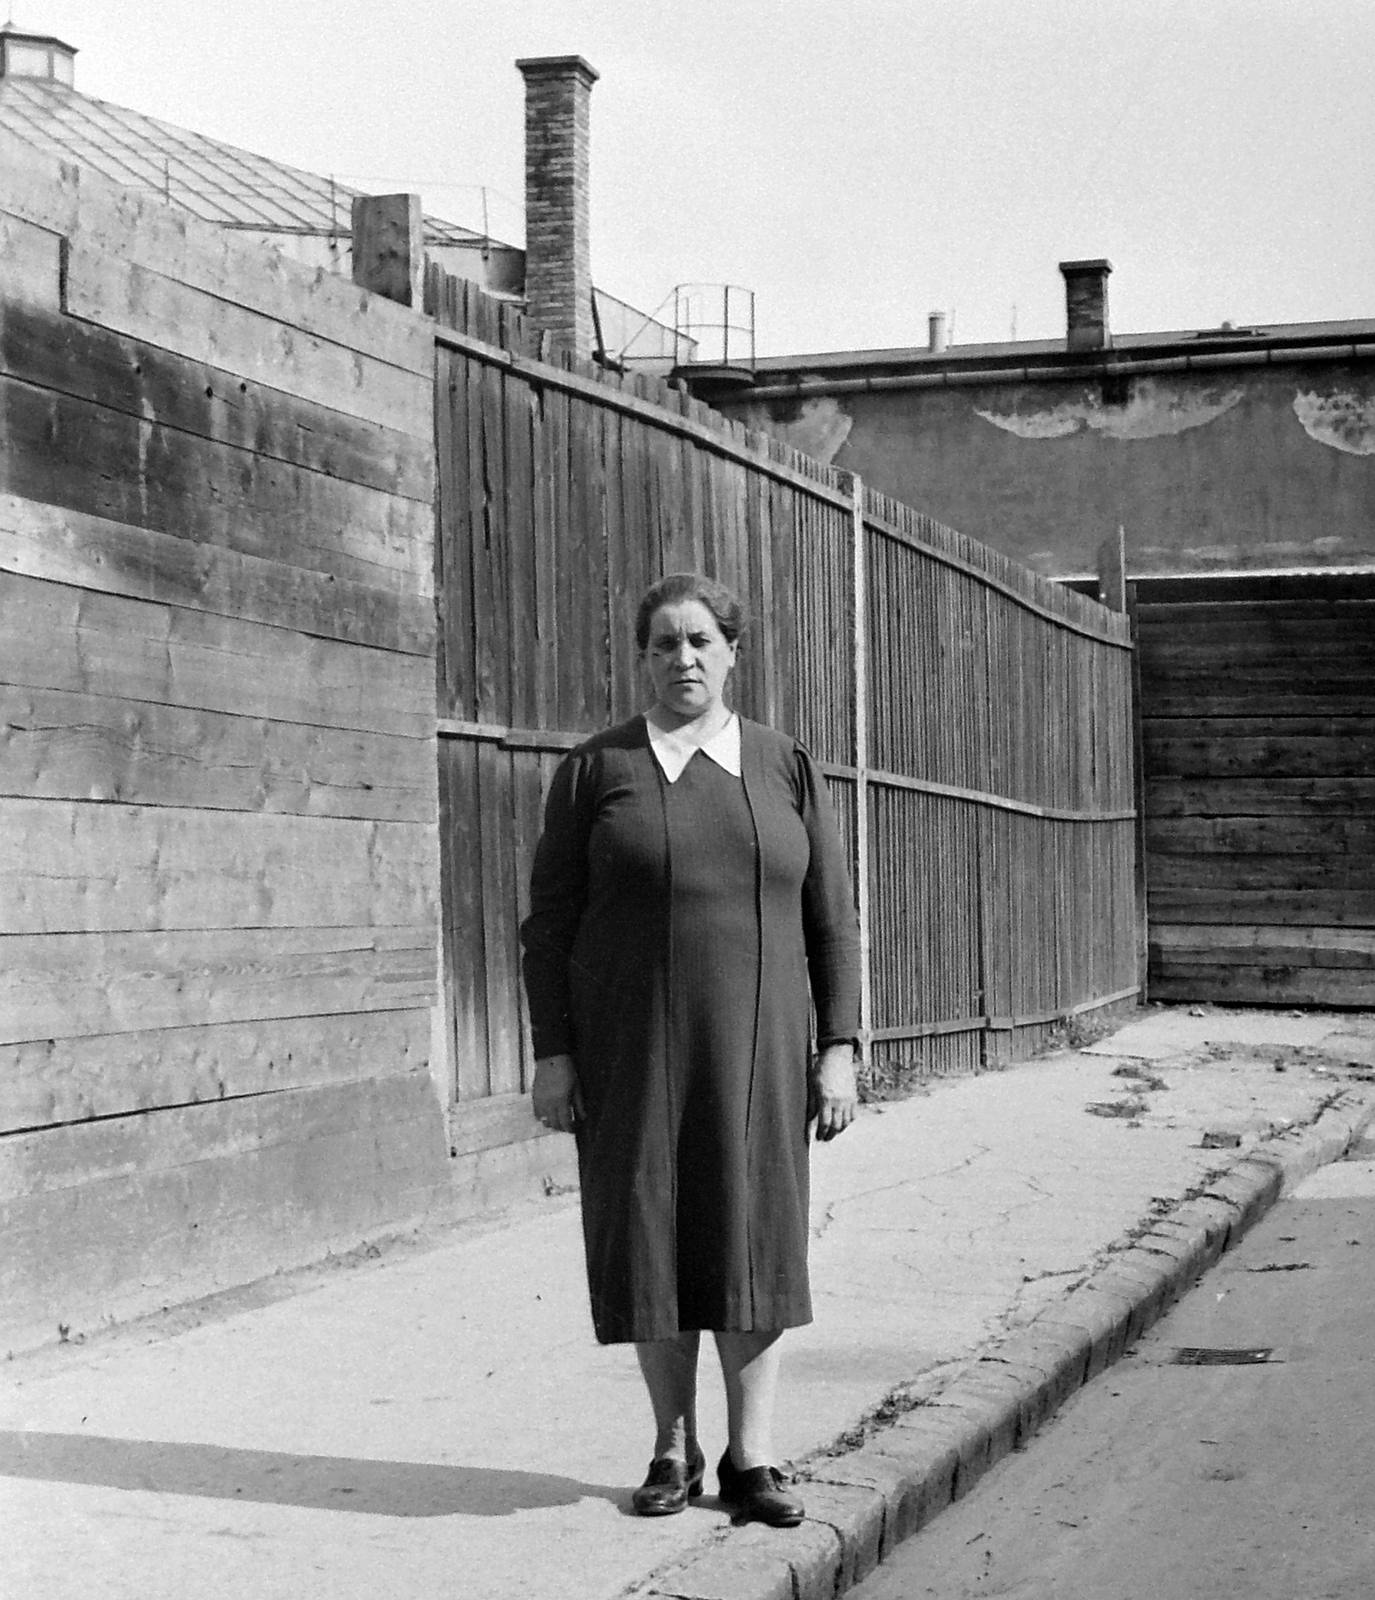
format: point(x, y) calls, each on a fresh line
point(896, 1403)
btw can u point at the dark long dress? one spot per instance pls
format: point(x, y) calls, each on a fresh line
point(672, 935)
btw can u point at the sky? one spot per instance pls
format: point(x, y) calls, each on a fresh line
point(856, 163)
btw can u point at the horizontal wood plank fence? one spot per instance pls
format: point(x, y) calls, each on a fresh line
point(219, 917)
point(973, 718)
point(1259, 721)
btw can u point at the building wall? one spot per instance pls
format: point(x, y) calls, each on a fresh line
point(218, 793)
point(1244, 468)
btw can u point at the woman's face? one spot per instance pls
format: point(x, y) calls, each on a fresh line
point(688, 659)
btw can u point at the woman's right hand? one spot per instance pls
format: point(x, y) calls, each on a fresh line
point(557, 1098)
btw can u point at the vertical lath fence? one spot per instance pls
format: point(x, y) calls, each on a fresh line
point(973, 718)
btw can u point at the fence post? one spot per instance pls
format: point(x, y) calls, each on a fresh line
point(860, 641)
point(1112, 570)
point(1118, 595)
point(389, 247)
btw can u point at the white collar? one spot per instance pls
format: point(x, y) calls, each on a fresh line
point(673, 752)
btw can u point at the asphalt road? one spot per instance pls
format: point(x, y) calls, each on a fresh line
point(1165, 1481)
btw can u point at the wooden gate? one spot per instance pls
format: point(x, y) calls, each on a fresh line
point(1258, 700)
point(973, 719)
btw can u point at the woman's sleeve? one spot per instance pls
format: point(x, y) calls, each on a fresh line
point(558, 893)
point(830, 923)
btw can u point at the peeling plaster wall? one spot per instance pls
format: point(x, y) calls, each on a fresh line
point(819, 427)
point(1152, 411)
point(1249, 469)
point(1341, 418)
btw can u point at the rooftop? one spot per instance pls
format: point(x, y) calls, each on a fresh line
point(217, 182)
point(1021, 352)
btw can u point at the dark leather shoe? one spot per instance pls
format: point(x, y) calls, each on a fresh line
point(757, 1494)
point(669, 1486)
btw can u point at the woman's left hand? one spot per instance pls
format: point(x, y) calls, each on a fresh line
point(832, 1095)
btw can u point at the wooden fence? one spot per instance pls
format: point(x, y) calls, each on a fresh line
point(1259, 724)
point(218, 807)
point(973, 718)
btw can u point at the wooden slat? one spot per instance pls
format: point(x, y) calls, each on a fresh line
point(492, 559)
point(64, 199)
point(1297, 623)
point(626, 578)
point(55, 637)
point(68, 452)
point(500, 1119)
point(56, 745)
point(50, 1081)
point(1344, 906)
point(62, 986)
point(1336, 837)
point(88, 868)
point(1210, 728)
point(47, 350)
point(73, 1158)
point(1355, 699)
point(1243, 797)
point(501, 967)
point(147, 304)
point(1262, 985)
point(1338, 657)
point(1281, 600)
point(1335, 755)
point(63, 546)
point(461, 821)
point(453, 552)
point(522, 584)
point(895, 780)
point(528, 818)
point(1320, 871)
point(1267, 944)
point(111, 1218)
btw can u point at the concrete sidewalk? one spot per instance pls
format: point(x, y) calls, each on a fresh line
point(438, 1421)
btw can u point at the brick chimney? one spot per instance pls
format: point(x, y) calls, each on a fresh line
point(1086, 304)
point(558, 251)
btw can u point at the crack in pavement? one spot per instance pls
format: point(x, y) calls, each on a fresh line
point(830, 1215)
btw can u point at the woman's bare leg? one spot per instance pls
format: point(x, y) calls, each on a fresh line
point(670, 1373)
point(749, 1364)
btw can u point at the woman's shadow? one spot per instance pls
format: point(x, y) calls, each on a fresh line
point(270, 1477)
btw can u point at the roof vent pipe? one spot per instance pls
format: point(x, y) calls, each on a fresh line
point(1086, 304)
point(936, 339)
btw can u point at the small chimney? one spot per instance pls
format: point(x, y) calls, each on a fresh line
point(558, 250)
point(36, 55)
point(1086, 304)
point(936, 339)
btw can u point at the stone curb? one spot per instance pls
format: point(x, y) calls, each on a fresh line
point(862, 1504)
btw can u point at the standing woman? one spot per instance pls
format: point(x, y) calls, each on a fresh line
point(689, 906)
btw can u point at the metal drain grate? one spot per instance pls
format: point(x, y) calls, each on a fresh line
point(1203, 1356)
